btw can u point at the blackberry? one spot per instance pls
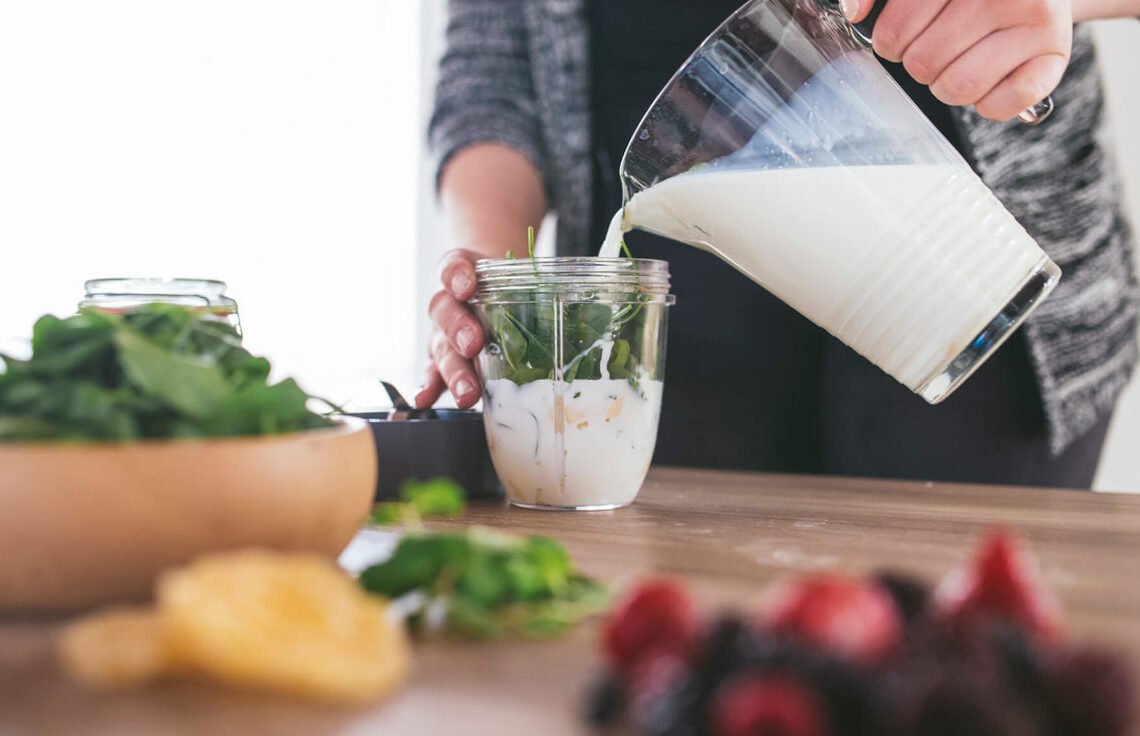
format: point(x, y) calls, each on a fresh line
point(729, 645)
point(605, 701)
point(675, 709)
point(849, 692)
point(1023, 659)
point(956, 678)
point(954, 705)
point(910, 594)
point(1092, 693)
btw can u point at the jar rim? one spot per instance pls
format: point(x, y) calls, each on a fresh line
point(574, 278)
point(152, 285)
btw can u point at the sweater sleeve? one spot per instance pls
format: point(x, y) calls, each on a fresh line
point(485, 92)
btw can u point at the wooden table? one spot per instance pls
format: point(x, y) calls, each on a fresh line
point(726, 534)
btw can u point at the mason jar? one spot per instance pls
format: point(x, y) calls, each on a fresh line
point(572, 376)
point(119, 295)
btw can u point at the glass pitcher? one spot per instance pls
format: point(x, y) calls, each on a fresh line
point(783, 147)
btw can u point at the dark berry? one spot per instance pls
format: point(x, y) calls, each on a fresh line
point(953, 677)
point(1092, 692)
point(662, 699)
point(848, 692)
point(768, 705)
point(955, 706)
point(606, 701)
point(910, 595)
point(1024, 660)
point(729, 645)
point(657, 616)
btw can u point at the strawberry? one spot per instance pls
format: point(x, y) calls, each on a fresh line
point(1002, 580)
point(851, 618)
point(767, 705)
point(656, 617)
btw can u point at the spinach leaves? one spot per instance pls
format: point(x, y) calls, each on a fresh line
point(486, 585)
point(156, 372)
point(594, 339)
point(533, 331)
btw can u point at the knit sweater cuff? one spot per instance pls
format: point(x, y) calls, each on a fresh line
point(476, 124)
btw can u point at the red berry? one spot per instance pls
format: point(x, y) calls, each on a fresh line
point(767, 705)
point(1002, 580)
point(847, 617)
point(656, 617)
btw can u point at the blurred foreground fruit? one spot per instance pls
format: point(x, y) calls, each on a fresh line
point(657, 617)
point(293, 624)
point(1001, 581)
point(118, 648)
point(767, 705)
point(875, 656)
point(849, 617)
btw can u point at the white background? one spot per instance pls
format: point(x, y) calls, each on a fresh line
point(278, 145)
point(273, 144)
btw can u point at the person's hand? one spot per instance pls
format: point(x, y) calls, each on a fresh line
point(457, 336)
point(1001, 56)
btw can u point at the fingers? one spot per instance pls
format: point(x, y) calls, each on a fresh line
point(432, 389)
point(900, 23)
point(457, 273)
point(457, 337)
point(1027, 86)
point(958, 28)
point(856, 10)
point(983, 69)
point(455, 371)
point(452, 318)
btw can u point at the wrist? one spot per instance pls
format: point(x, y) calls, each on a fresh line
point(1084, 10)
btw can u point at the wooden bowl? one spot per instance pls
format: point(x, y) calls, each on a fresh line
point(93, 523)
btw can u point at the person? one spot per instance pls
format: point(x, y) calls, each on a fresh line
point(536, 101)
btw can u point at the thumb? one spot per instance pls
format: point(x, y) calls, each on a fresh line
point(856, 10)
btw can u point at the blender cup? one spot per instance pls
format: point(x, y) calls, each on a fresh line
point(572, 376)
point(783, 147)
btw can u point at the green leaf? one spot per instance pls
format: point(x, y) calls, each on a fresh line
point(507, 336)
point(185, 382)
point(492, 584)
point(67, 347)
point(260, 409)
point(525, 580)
point(417, 563)
point(388, 513)
point(435, 497)
point(526, 374)
point(465, 616)
point(482, 580)
point(552, 560)
point(618, 365)
point(27, 428)
point(157, 371)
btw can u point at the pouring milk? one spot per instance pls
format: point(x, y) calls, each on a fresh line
point(909, 286)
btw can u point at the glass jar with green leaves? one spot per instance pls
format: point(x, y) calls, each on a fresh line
point(572, 375)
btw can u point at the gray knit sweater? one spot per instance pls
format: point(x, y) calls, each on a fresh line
point(516, 72)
